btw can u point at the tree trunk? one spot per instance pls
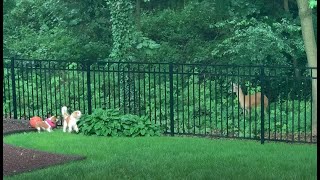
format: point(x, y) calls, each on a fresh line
point(286, 5)
point(311, 51)
point(138, 14)
point(296, 69)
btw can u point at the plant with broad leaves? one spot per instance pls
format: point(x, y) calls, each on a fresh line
point(110, 122)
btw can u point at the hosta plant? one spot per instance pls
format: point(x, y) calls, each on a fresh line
point(110, 122)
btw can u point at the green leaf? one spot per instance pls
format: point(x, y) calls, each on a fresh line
point(127, 132)
point(132, 130)
point(107, 131)
point(151, 132)
point(125, 126)
point(139, 46)
point(143, 131)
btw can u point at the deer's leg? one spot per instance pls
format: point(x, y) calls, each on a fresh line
point(247, 111)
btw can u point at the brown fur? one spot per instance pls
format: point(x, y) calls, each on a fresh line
point(67, 116)
point(70, 120)
point(43, 125)
point(249, 101)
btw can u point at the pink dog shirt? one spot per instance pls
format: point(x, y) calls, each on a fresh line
point(48, 120)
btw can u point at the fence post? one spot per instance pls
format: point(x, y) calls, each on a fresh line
point(262, 103)
point(14, 94)
point(171, 99)
point(88, 64)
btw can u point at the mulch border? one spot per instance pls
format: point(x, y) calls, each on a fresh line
point(18, 131)
point(69, 158)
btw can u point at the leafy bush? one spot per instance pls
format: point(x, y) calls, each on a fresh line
point(110, 122)
point(184, 35)
point(237, 47)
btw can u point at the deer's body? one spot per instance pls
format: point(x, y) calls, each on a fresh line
point(249, 101)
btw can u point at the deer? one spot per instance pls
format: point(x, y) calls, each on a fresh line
point(248, 101)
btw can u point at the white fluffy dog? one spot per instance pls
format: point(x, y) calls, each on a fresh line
point(70, 121)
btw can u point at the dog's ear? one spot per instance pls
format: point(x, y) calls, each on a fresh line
point(235, 85)
point(76, 114)
point(79, 113)
point(53, 118)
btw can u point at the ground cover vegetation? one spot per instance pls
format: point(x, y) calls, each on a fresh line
point(168, 158)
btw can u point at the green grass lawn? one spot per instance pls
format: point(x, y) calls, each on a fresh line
point(169, 158)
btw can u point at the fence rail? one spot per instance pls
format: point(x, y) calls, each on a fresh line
point(185, 99)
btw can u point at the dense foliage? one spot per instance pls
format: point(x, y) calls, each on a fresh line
point(111, 122)
point(56, 29)
point(177, 31)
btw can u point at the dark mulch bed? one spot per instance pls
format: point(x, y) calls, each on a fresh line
point(17, 160)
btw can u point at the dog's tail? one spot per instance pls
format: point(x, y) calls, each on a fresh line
point(64, 111)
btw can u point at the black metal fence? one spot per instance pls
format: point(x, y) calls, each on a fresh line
point(185, 99)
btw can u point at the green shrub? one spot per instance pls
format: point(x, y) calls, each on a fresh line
point(110, 122)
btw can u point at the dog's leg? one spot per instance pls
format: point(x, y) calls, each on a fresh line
point(38, 129)
point(49, 129)
point(64, 126)
point(69, 128)
point(76, 128)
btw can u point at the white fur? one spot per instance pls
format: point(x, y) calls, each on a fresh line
point(73, 118)
point(64, 110)
point(49, 129)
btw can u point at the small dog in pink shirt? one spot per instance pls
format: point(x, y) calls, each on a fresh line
point(48, 124)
